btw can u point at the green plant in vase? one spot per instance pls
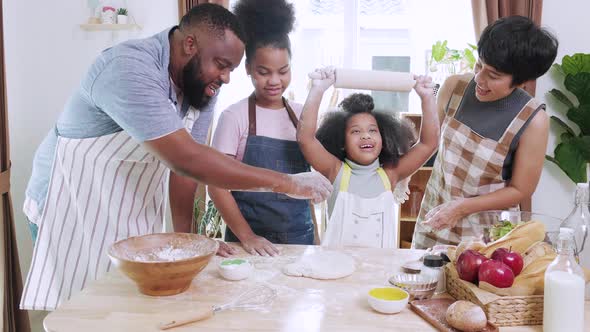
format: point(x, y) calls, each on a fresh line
point(457, 61)
point(572, 154)
point(207, 222)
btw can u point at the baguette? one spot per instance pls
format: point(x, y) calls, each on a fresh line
point(519, 239)
point(536, 251)
point(533, 276)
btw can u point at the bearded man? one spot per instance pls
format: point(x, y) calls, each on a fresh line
point(143, 108)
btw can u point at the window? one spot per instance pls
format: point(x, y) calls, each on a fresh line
point(392, 35)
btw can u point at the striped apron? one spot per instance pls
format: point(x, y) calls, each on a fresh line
point(467, 165)
point(102, 190)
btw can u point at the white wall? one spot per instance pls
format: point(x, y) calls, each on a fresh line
point(568, 19)
point(46, 56)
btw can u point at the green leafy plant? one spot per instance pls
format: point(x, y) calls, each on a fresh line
point(206, 222)
point(572, 154)
point(122, 11)
point(442, 54)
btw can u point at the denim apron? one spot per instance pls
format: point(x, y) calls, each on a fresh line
point(276, 217)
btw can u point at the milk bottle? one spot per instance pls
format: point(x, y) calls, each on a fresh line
point(564, 289)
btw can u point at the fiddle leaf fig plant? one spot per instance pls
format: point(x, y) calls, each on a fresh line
point(572, 154)
point(442, 54)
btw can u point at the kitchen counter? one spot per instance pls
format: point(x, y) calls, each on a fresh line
point(113, 303)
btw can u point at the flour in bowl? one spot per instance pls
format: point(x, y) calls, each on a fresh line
point(164, 254)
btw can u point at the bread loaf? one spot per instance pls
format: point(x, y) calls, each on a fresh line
point(466, 316)
point(533, 276)
point(537, 250)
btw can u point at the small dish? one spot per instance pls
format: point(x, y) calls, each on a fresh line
point(412, 267)
point(388, 300)
point(419, 286)
point(235, 269)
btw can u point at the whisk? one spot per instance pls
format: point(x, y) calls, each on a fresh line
point(256, 297)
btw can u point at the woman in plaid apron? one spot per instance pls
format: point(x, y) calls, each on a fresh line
point(494, 134)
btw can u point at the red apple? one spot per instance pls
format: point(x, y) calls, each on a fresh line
point(499, 253)
point(511, 258)
point(468, 265)
point(496, 273)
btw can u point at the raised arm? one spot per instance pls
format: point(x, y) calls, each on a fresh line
point(429, 134)
point(315, 153)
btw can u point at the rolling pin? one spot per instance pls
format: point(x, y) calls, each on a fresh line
point(374, 80)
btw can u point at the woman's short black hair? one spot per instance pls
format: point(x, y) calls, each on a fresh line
point(267, 23)
point(397, 135)
point(515, 45)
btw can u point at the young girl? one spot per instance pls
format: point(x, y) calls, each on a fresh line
point(349, 149)
point(260, 131)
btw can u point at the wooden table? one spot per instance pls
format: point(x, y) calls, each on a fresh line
point(114, 304)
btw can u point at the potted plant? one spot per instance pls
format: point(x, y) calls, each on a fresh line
point(107, 15)
point(572, 154)
point(445, 61)
point(206, 221)
point(122, 16)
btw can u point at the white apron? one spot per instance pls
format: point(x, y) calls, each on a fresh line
point(102, 190)
point(362, 222)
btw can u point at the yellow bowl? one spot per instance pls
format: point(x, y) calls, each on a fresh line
point(388, 300)
point(163, 264)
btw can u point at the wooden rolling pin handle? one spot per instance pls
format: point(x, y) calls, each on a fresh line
point(191, 317)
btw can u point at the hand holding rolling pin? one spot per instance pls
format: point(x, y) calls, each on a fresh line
point(322, 78)
point(424, 87)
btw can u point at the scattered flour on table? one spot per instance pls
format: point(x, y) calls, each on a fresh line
point(322, 265)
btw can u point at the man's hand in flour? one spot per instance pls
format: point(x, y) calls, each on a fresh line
point(309, 185)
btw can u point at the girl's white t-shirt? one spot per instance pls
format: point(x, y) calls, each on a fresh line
point(232, 128)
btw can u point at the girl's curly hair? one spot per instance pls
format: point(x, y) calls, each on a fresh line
point(397, 135)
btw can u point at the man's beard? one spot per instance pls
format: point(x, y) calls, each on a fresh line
point(193, 86)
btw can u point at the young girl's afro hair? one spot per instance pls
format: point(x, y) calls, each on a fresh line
point(397, 136)
point(267, 24)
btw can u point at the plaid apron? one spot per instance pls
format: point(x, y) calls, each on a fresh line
point(467, 165)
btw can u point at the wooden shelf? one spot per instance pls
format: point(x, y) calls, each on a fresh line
point(409, 209)
point(109, 27)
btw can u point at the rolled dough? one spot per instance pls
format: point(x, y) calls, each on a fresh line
point(322, 265)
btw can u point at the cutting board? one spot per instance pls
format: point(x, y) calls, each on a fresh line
point(434, 311)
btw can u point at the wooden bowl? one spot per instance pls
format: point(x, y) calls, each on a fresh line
point(165, 263)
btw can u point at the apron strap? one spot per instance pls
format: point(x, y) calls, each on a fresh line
point(529, 110)
point(345, 180)
point(252, 114)
point(347, 172)
point(456, 97)
point(384, 178)
point(292, 115)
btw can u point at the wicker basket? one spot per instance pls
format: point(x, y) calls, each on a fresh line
point(501, 310)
